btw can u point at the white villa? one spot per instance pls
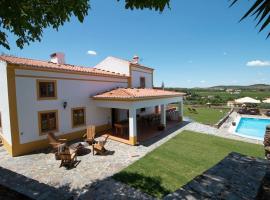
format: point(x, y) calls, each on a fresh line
point(38, 97)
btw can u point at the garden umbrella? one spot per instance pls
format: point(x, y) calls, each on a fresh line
point(266, 101)
point(247, 100)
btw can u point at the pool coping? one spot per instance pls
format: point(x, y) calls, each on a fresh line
point(232, 129)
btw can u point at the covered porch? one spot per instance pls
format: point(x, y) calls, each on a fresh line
point(140, 126)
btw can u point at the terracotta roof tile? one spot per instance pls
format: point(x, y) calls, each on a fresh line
point(134, 93)
point(62, 67)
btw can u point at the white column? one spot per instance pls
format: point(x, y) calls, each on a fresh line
point(132, 126)
point(163, 114)
point(180, 110)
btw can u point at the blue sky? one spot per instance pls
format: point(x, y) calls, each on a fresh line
point(196, 43)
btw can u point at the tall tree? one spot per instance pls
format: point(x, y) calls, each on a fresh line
point(27, 19)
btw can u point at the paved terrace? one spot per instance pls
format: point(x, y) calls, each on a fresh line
point(38, 175)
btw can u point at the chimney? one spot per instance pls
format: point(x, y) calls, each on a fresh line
point(135, 59)
point(58, 58)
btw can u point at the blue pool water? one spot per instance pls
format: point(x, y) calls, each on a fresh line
point(252, 127)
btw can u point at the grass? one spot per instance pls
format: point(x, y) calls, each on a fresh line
point(206, 115)
point(179, 160)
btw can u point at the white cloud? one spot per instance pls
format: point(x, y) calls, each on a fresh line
point(189, 81)
point(258, 63)
point(202, 81)
point(92, 53)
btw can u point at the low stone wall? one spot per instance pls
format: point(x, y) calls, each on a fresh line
point(235, 177)
point(220, 122)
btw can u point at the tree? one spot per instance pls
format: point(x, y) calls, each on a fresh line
point(27, 19)
point(260, 10)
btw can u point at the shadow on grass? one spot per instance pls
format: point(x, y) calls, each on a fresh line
point(150, 185)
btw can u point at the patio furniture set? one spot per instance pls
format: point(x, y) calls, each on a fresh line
point(251, 111)
point(68, 153)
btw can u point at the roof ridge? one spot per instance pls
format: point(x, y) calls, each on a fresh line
point(23, 60)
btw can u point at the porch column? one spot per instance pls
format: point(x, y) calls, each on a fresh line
point(132, 126)
point(180, 110)
point(163, 114)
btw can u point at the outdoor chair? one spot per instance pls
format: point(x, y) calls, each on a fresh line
point(242, 111)
point(90, 135)
point(254, 111)
point(189, 109)
point(56, 143)
point(194, 110)
point(99, 147)
point(68, 157)
point(267, 113)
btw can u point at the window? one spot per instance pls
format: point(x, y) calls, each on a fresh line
point(47, 89)
point(142, 82)
point(78, 117)
point(48, 121)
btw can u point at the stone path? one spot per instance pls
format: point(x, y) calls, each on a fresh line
point(235, 177)
point(41, 176)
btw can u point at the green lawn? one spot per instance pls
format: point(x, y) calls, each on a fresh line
point(205, 115)
point(179, 160)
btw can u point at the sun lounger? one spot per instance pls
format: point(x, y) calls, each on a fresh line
point(267, 113)
point(254, 111)
point(68, 157)
point(99, 147)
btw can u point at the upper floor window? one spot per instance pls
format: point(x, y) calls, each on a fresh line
point(142, 82)
point(47, 89)
point(78, 117)
point(48, 121)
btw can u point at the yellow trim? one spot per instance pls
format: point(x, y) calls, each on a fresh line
point(72, 122)
point(33, 68)
point(25, 148)
point(64, 78)
point(14, 129)
point(39, 121)
point(38, 81)
point(133, 140)
point(6, 145)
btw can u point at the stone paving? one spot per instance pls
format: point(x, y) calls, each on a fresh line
point(41, 176)
point(43, 179)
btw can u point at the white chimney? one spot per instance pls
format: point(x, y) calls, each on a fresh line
point(58, 58)
point(135, 59)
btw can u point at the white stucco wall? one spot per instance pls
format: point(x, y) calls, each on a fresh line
point(4, 103)
point(75, 92)
point(137, 74)
point(114, 65)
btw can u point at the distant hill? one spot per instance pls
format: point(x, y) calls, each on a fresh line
point(248, 87)
point(264, 87)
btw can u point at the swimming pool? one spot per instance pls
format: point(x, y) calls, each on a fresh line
point(252, 127)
